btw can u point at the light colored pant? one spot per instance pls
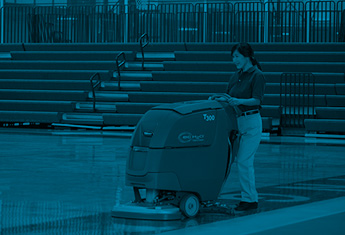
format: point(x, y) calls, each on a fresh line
point(250, 128)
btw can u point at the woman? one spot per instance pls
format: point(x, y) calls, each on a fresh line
point(246, 90)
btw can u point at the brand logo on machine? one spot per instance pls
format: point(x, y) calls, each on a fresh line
point(187, 137)
point(209, 118)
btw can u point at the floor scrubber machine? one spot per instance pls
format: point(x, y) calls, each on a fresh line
point(181, 155)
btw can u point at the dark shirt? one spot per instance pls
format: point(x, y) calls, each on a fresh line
point(246, 85)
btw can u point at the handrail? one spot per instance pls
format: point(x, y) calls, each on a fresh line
point(142, 46)
point(94, 86)
point(118, 67)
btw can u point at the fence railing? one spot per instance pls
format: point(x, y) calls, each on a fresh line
point(313, 21)
point(297, 98)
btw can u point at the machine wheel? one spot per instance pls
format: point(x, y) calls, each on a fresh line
point(189, 205)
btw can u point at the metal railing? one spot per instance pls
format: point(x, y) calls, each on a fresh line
point(341, 21)
point(119, 65)
point(297, 98)
point(142, 46)
point(313, 21)
point(94, 86)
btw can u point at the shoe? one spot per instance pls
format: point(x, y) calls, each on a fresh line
point(244, 206)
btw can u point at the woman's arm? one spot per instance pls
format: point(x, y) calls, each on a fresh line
point(246, 102)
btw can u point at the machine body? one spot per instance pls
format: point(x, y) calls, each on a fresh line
point(180, 154)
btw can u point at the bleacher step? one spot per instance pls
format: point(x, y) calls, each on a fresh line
point(134, 108)
point(274, 99)
point(153, 86)
point(109, 96)
point(100, 107)
point(37, 105)
point(118, 119)
point(41, 84)
point(52, 74)
point(263, 56)
point(71, 55)
point(325, 125)
point(57, 65)
point(152, 66)
point(334, 67)
point(156, 56)
point(134, 76)
point(126, 86)
point(82, 118)
point(5, 56)
point(166, 97)
point(216, 76)
point(52, 95)
point(320, 89)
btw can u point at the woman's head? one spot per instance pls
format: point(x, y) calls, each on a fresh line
point(243, 56)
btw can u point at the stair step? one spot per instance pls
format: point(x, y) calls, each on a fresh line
point(109, 96)
point(127, 86)
point(5, 56)
point(197, 87)
point(82, 118)
point(134, 76)
point(71, 55)
point(333, 67)
point(39, 74)
point(206, 76)
point(40, 84)
point(134, 108)
point(263, 56)
point(156, 56)
point(57, 65)
point(147, 65)
point(166, 97)
point(48, 95)
point(102, 107)
point(37, 105)
point(116, 119)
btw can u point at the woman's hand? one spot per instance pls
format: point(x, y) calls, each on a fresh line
point(234, 101)
point(221, 99)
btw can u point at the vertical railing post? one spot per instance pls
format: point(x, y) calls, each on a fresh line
point(205, 21)
point(126, 31)
point(308, 21)
point(266, 23)
point(2, 20)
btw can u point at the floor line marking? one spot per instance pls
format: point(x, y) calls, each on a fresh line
point(269, 220)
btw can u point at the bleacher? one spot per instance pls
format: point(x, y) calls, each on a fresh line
point(50, 83)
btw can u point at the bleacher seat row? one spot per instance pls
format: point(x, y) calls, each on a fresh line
point(49, 83)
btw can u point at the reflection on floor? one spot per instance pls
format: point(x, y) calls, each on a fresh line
point(53, 183)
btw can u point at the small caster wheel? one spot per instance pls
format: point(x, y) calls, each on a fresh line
point(190, 205)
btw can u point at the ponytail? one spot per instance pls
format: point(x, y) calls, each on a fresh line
point(255, 62)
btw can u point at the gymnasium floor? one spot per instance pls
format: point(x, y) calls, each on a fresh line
point(66, 182)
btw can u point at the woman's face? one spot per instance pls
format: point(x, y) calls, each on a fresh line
point(239, 60)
